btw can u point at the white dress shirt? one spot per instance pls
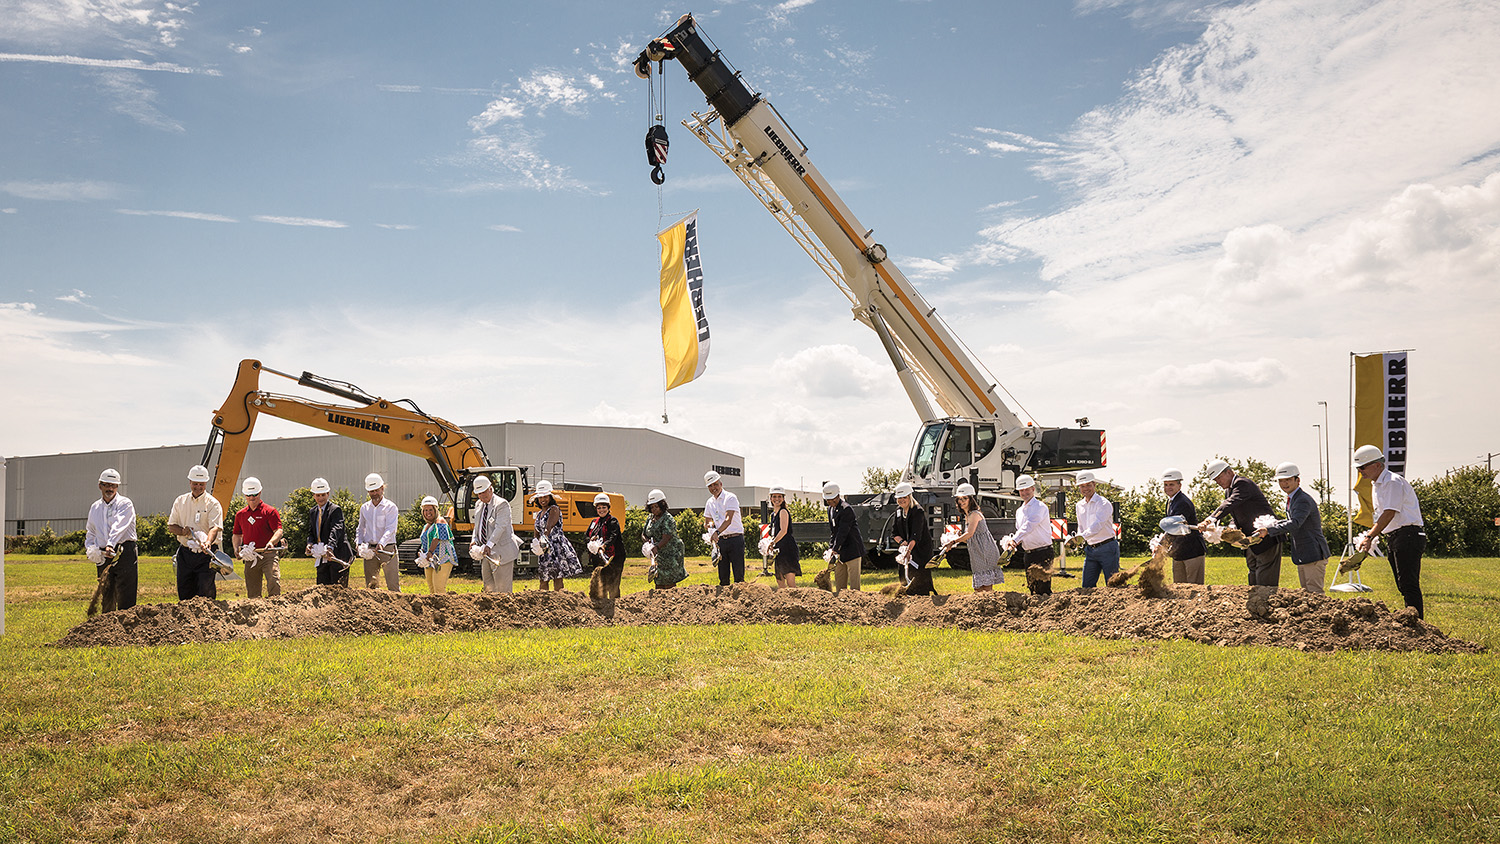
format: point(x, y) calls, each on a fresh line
point(1392, 492)
point(1033, 525)
point(203, 513)
point(111, 524)
point(721, 504)
point(1096, 519)
point(377, 524)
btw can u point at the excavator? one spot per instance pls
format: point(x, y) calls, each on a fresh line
point(456, 458)
point(970, 435)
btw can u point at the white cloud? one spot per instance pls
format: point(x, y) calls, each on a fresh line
point(927, 268)
point(300, 221)
point(8, 210)
point(831, 372)
point(400, 227)
point(122, 64)
point(502, 227)
point(515, 153)
point(138, 24)
point(79, 191)
point(76, 297)
point(503, 108)
point(184, 215)
point(135, 99)
point(1218, 376)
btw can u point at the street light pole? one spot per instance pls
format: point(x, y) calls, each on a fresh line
point(1323, 492)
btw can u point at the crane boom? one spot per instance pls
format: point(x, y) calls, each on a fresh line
point(750, 137)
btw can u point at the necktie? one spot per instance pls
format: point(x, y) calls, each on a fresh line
point(483, 506)
point(318, 525)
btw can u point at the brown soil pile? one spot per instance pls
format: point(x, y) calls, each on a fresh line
point(1217, 615)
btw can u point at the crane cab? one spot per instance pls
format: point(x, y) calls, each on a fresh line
point(950, 451)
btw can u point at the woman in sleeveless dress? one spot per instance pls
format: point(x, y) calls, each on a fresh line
point(558, 560)
point(788, 566)
point(984, 552)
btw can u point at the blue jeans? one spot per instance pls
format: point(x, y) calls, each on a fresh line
point(1102, 558)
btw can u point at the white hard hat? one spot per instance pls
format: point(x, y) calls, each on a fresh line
point(1025, 482)
point(1216, 468)
point(1367, 454)
point(1287, 470)
point(426, 500)
point(966, 490)
point(710, 478)
point(1172, 475)
point(655, 496)
point(601, 498)
point(902, 490)
point(1084, 477)
point(542, 488)
point(831, 490)
point(778, 490)
point(481, 484)
point(319, 485)
point(109, 476)
point(251, 486)
point(373, 481)
point(198, 474)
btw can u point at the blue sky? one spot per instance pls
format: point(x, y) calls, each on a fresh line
point(1175, 218)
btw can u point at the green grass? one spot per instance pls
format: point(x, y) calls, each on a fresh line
point(740, 733)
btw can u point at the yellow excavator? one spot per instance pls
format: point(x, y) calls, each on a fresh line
point(455, 457)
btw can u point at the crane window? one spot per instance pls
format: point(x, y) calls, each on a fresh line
point(505, 485)
point(984, 440)
point(925, 454)
point(958, 451)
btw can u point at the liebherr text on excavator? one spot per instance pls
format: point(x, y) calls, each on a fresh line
point(971, 435)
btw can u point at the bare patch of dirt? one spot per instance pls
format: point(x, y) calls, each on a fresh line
point(1214, 615)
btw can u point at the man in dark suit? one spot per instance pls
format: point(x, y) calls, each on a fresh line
point(1304, 526)
point(1245, 503)
point(325, 528)
point(1187, 551)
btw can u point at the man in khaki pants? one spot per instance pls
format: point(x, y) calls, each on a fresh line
point(257, 541)
point(1304, 526)
point(846, 547)
point(376, 536)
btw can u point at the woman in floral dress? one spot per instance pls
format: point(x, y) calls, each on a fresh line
point(661, 530)
point(437, 555)
point(558, 559)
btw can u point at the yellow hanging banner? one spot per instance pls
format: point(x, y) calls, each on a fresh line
point(684, 325)
point(1380, 418)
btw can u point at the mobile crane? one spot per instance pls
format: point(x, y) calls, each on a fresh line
point(971, 434)
point(456, 458)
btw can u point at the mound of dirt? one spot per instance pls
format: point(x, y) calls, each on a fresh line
point(1215, 615)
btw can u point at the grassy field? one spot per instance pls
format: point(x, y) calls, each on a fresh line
point(741, 733)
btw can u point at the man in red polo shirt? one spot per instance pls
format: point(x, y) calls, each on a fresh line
point(257, 541)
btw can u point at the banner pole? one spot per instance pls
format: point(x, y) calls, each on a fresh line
point(1349, 465)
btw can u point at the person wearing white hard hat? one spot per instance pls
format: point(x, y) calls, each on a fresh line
point(1245, 502)
point(845, 540)
point(1398, 517)
point(197, 520)
point(788, 559)
point(327, 537)
point(557, 560)
point(437, 554)
point(1033, 530)
point(1303, 527)
point(911, 532)
point(726, 529)
point(604, 534)
point(493, 543)
point(257, 540)
point(1096, 524)
point(1188, 552)
point(667, 568)
point(375, 536)
point(984, 552)
point(110, 542)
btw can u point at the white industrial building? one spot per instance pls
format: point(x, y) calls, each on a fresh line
point(59, 488)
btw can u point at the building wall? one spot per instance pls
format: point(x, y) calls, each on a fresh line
point(58, 488)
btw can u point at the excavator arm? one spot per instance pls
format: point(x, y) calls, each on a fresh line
point(446, 448)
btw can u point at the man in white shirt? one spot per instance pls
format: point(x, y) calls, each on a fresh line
point(376, 536)
point(1033, 526)
point(1398, 516)
point(197, 520)
point(109, 540)
point(1096, 524)
point(722, 515)
point(493, 542)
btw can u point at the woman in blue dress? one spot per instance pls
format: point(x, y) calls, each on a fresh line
point(437, 555)
point(557, 559)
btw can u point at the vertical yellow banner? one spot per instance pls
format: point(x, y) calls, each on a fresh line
point(1380, 417)
point(684, 326)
